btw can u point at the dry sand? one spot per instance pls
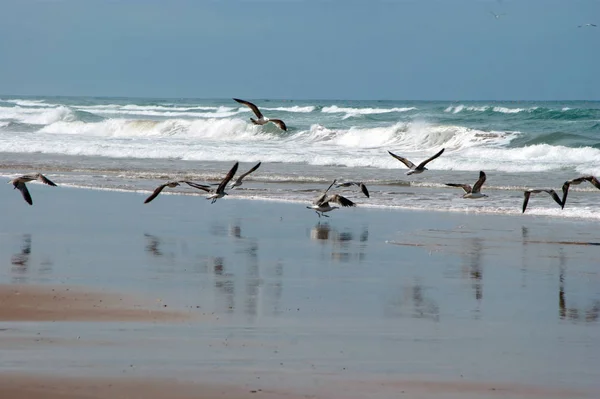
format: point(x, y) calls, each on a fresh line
point(41, 303)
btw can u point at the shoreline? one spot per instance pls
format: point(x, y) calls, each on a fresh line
point(476, 210)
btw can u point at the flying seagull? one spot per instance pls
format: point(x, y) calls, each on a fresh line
point(321, 204)
point(171, 184)
point(220, 191)
point(579, 180)
point(363, 188)
point(590, 25)
point(19, 182)
point(497, 16)
point(530, 191)
point(472, 192)
point(238, 181)
point(261, 119)
point(416, 169)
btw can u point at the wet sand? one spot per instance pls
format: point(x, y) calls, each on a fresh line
point(368, 303)
point(41, 303)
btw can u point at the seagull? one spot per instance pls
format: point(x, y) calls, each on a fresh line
point(416, 169)
point(170, 184)
point(261, 119)
point(220, 191)
point(238, 181)
point(579, 180)
point(530, 191)
point(497, 16)
point(19, 182)
point(472, 192)
point(321, 204)
point(363, 188)
point(590, 25)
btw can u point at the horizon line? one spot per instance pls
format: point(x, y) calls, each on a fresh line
point(286, 99)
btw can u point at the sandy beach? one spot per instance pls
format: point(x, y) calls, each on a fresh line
point(102, 296)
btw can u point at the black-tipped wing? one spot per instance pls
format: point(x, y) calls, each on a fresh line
point(338, 199)
point(530, 191)
point(280, 124)
point(23, 189)
point(465, 187)
point(479, 183)
point(405, 161)
point(155, 193)
point(555, 197)
point(198, 186)
point(595, 182)
point(227, 178)
point(361, 185)
point(323, 197)
point(526, 196)
point(565, 190)
point(45, 180)
point(250, 171)
point(253, 107)
point(579, 180)
point(364, 190)
point(425, 162)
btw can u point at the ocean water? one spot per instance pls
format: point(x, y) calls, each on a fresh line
point(135, 144)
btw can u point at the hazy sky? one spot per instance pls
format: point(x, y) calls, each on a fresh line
point(302, 49)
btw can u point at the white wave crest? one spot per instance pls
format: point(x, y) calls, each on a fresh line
point(218, 113)
point(213, 129)
point(352, 112)
point(504, 110)
point(29, 103)
point(135, 107)
point(295, 108)
point(37, 116)
point(534, 158)
point(459, 108)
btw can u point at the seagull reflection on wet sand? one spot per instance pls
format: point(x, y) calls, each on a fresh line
point(538, 252)
point(21, 259)
point(152, 245)
point(224, 284)
point(413, 298)
point(474, 268)
point(573, 314)
point(262, 281)
point(21, 262)
point(342, 242)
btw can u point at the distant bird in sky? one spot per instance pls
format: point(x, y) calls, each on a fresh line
point(590, 25)
point(530, 191)
point(579, 180)
point(261, 119)
point(413, 168)
point(497, 16)
point(19, 182)
point(472, 192)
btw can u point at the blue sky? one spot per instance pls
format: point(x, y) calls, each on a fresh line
point(302, 49)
